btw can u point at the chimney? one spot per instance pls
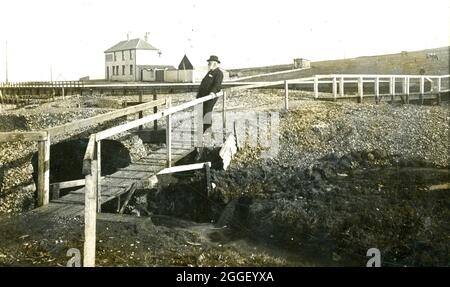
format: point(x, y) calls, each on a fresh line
point(146, 36)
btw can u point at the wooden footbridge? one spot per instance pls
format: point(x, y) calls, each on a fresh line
point(384, 87)
point(113, 186)
point(95, 189)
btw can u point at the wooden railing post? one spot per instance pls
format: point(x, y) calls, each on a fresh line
point(224, 115)
point(141, 114)
point(392, 89)
point(90, 217)
point(198, 122)
point(377, 90)
point(334, 89)
point(341, 87)
point(407, 89)
point(439, 84)
point(99, 170)
point(169, 132)
point(44, 171)
point(286, 95)
point(360, 89)
point(405, 82)
point(55, 189)
point(208, 183)
point(90, 204)
point(316, 87)
point(422, 89)
point(155, 110)
point(193, 135)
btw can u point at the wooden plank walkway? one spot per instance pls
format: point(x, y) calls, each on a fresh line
point(118, 183)
point(114, 185)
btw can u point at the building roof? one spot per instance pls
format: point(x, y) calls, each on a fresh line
point(133, 44)
point(185, 64)
point(156, 67)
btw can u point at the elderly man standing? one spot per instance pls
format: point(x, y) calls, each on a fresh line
point(211, 83)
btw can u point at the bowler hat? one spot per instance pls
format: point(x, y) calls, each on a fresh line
point(213, 58)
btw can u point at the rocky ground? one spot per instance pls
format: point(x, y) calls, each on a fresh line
point(347, 177)
point(125, 241)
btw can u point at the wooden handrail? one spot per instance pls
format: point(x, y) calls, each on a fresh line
point(70, 183)
point(58, 130)
point(136, 123)
point(255, 86)
point(182, 168)
point(23, 136)
point(379, 76)
point(104, 117)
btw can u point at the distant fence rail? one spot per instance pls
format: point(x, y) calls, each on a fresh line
point(52, 84)
point(106, 85)
point(396, 85)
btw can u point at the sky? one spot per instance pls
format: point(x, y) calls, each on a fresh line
point(65, 39)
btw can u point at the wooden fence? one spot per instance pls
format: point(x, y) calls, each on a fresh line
point(53, 84)
point(338, 82)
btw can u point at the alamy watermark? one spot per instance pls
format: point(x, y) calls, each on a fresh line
point(75, 257)
point(253, 129)
point(375, 260)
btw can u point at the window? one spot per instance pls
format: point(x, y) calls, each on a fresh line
point(108, 57)
point(123, 69)
point(117, 70)
point(115, 56)
point(123, 55)
point(131, 54)
point(131, 69)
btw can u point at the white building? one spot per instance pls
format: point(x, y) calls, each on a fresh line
point(186, 73)
point(134, 60)
point(300, 63)
point(137, 60)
